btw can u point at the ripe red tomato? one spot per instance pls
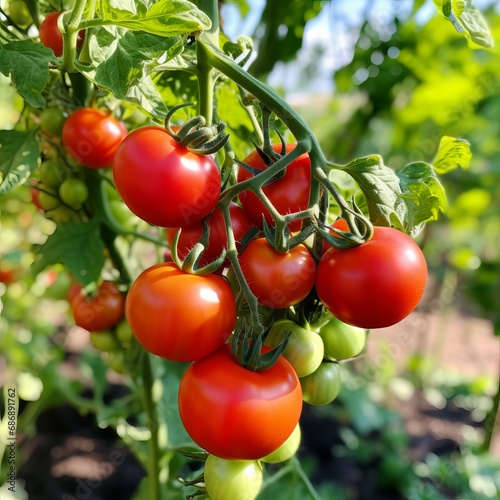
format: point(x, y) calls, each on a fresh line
point(92, 137)
point(51, 36)
point(98, 313)
point(162, 182)
point(180, 316)
point(277, 280)
point(288, 194)
point(340, 224)
point(235, 413)
point(376, 284)
point(217, 241)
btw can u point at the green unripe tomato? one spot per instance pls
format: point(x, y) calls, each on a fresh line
point(48, 200)
point(52, 173)
point(124, 333)
point(62, 214)
point(104, 341)
point(304, 350)
point(232, 479)
point(116, 361)
point(287, 450)
point(52, 121)
point(342, 341)
point(73, 192)
point(19, 13)
point(322, 386)
point(123, 215)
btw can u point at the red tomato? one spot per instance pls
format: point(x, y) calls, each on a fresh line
point(162, 182)
point(180, 316)
point(51, 36)
point(235, 413)
point(98, 313)
point(277, 280)
point(35, 198)
point(340, 224)
point(7, 276)
point(288, 194)
point(376, 284)
point(92, 137)
point(217, 241)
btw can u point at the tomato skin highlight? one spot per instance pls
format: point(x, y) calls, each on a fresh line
point(217, 240)
point(277, 280)
point(98, 313)
point(288, 194)
point(162, 182)
point(180, 316)
point(376, 284)
point(235, 413)
point(92, 137)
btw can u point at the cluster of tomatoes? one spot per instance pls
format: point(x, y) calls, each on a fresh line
point(193, 317)
point(190, 317)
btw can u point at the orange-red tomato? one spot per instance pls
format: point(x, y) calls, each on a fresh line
point(98, 313)
point(235, 413)
point(180, 316)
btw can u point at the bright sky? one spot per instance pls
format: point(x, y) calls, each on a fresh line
point(334, 30)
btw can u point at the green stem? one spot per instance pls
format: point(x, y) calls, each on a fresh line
point(70, 35)
point(153, 463)
point(205, 74)
point(305, 479)
point(271, 100)
point(232, 256)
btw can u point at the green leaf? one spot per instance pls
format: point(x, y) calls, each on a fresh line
point(452, 153)
point(404, 200)
point(76, 245)
point(422, 196)
point(122, 59)
point(27, 64)
point(19, 154)
point(468, 20)
point(165, 18)
point(242, 6)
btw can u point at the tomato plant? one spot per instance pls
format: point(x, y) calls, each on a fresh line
point(238, 401)
point(322, 386)
point(278, 280)
point(230, 479)
point(162, 182)
point(100, 312)
point(215, 167)
point(92, 137)
point(304, 350)
point(180, 316)
point(376, 284)
point(288, 194)
point(217, 241)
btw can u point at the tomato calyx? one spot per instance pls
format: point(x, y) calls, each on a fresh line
point(360, 229)
point(194, 135)
point(248, 350)
point(191, 263)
